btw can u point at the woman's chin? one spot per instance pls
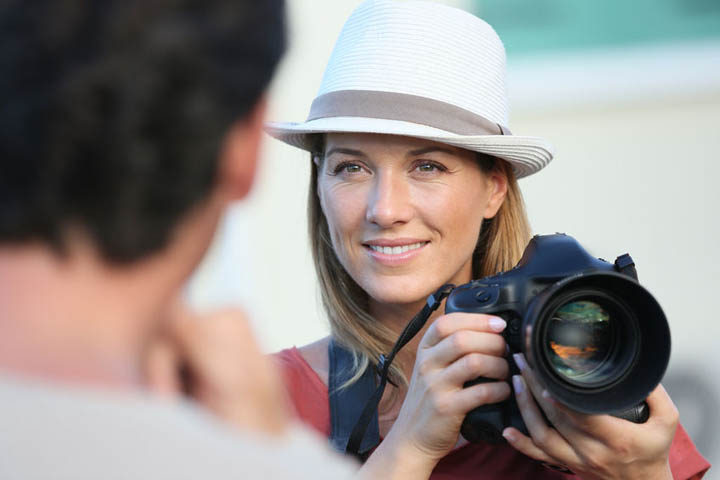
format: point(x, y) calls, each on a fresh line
point(400, 295)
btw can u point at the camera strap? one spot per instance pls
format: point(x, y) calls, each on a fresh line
point(355, 444)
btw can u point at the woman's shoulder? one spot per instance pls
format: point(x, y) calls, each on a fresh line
point(304, 372)
point(309, 360)
point(316, 355)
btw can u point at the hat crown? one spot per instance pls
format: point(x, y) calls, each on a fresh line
point(421, 48)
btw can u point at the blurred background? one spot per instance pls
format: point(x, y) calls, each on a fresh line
point(629, 94)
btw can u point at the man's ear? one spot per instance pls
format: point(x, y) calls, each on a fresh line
point(240, 151)
point(498, 186)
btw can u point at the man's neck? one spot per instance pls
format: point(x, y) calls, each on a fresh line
point(73, 319)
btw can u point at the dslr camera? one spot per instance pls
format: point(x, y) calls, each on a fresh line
point(595, 338)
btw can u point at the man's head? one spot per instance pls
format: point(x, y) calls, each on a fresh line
point(116, 113)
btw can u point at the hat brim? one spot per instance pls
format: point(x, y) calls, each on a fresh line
point(527, 155)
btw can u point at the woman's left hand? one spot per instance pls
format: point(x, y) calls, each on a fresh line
point(593, 446)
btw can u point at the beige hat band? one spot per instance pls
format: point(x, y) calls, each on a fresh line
point(403, 107)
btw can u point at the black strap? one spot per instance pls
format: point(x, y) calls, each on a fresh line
point(346, 404)
point(355, 442)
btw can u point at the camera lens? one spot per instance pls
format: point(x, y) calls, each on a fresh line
point(589, 338)
point(580, 340)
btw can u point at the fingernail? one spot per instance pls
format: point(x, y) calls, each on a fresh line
point(519, 360)
point(497, 324)
point(518, 383)
point(507, 433)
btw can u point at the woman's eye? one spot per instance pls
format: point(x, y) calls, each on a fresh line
point(429, 167)
point(347, 167)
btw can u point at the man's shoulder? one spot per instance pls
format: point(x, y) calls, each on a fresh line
point(73, 433)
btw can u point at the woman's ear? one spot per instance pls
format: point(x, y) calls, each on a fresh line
point(239, 153)
point(497, 183)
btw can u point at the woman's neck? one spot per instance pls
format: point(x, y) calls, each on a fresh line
point(396, 317)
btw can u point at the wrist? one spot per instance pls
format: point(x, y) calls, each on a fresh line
point(648, 472)
point(658, 471)
point(397, 458)
point(663, 472)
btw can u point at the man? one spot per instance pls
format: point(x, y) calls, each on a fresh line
point(126, 128)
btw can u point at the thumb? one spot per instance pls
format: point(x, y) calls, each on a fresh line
point(162, 369)
point(163, 359)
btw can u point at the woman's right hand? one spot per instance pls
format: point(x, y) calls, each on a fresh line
point(456, 348)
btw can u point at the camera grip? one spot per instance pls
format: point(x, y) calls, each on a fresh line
point(637, 414)
point(486, 422)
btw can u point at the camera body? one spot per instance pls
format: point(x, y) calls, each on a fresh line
point(596, 339)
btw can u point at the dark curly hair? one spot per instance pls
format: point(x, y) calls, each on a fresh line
point(112, 112)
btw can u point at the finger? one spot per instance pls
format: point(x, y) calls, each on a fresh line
point(475, 365)
point(662, 409)
point(543, 435)
point(180, 326)
point(562, 418)
point(466, 399)
point(163, 356)
point(464, 342)
point(198, 335)
point(446, 325)
point(574, 426)
point(161, 368)
point(228, 373)
point(525, 445)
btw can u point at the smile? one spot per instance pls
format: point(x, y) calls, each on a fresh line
point(396, 250)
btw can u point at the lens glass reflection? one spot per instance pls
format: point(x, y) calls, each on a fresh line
point(579, 341)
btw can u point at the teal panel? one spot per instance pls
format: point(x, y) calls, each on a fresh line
point(532, 26)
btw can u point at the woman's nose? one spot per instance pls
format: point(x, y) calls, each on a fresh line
point(389, 200)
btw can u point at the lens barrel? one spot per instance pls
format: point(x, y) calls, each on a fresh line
point(599, 342)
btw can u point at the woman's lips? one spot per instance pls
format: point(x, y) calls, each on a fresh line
point(394, 252)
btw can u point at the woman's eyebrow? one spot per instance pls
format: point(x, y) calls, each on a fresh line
point(346, 151)
point(424, 150)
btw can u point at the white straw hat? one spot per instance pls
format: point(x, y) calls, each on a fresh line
point(418, 69)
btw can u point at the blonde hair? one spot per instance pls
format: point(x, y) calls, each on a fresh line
point(500, 245)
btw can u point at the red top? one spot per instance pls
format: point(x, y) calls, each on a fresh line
point(479, 461)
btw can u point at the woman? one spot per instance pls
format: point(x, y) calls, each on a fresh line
point(414, 186)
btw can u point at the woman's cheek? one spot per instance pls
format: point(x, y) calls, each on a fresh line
point(343, 208)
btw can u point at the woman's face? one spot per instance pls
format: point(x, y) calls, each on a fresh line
point(404, 214)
